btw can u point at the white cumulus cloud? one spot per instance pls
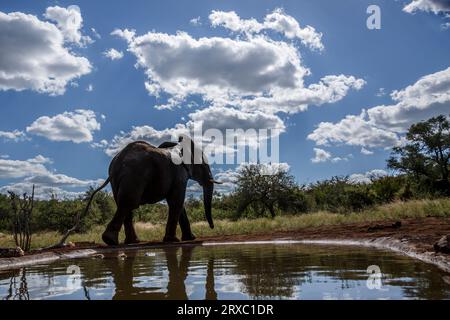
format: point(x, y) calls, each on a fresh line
point(21, 168)
point(278, 21)
point(384, 125)
point(244, 72)
point(438, 7)
point(34, 171)
point(435, 6)
point(320, 155)
point(77, 126)
point(224, 120)
point(366, 152)
point(145, 133)
point(429, 96)
point(15, 135)
point(113, 54)
point(33, 56)
point(196, 21)
point(353, 131)
point(368, 176)
point(70, 22)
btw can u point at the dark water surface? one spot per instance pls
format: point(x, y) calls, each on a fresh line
point(250, 271)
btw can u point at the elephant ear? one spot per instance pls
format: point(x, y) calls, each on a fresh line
point(176, 154)
point(167, 144)
point(190, 153)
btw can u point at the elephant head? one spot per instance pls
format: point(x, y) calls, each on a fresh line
point(197, 165)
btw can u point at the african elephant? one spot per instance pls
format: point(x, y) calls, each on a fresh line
point(144, 174)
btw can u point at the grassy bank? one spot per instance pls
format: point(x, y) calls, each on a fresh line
point(148, 231)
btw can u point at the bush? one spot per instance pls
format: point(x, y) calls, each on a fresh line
point(386, 189)
point(295, 202)
point(358, 198)
point(329, 195)
point(58, 215)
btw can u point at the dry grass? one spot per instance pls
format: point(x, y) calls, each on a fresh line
point(149, 231)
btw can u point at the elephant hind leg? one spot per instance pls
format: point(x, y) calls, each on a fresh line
point(111, 234)
point(130, 232)
point(185, 227)
point(127, 197)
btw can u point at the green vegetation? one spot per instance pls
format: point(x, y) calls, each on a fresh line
point(58, 214)
point(264, 202)
point(426, 154)
point(149, 231)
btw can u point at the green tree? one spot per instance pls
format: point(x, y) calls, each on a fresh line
point(426, 153)
point(263, 189)
point(5, 213)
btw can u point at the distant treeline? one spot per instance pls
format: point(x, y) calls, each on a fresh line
point(420, 170)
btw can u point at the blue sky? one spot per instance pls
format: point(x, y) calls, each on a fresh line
point(44, 140)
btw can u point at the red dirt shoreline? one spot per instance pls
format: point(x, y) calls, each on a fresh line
point(422, 233)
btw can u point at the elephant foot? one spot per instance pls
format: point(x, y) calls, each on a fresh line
point(111, 238)
point(171, 239)
point(132, 241)
point(190, 237)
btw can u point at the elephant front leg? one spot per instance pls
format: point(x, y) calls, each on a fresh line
point(185, 227)
point(172, 222)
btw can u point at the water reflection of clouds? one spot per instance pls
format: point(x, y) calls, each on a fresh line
point(230, 284)
point(56, 287)
point(265, 271)
point(155, 282)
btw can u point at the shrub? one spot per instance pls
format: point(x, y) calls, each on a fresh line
point(386, 189)
point(358, 198)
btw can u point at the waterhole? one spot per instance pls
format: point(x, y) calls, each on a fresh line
point(244, 271)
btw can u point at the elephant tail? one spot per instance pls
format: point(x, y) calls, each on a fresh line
point(79, 217)
point(94, 193)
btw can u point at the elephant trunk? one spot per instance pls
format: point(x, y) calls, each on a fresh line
point(208, 189)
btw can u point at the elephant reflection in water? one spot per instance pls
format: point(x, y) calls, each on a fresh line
point(123, 276)
point(210, 292)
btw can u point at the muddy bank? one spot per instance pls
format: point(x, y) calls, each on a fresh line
point(414, 237)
